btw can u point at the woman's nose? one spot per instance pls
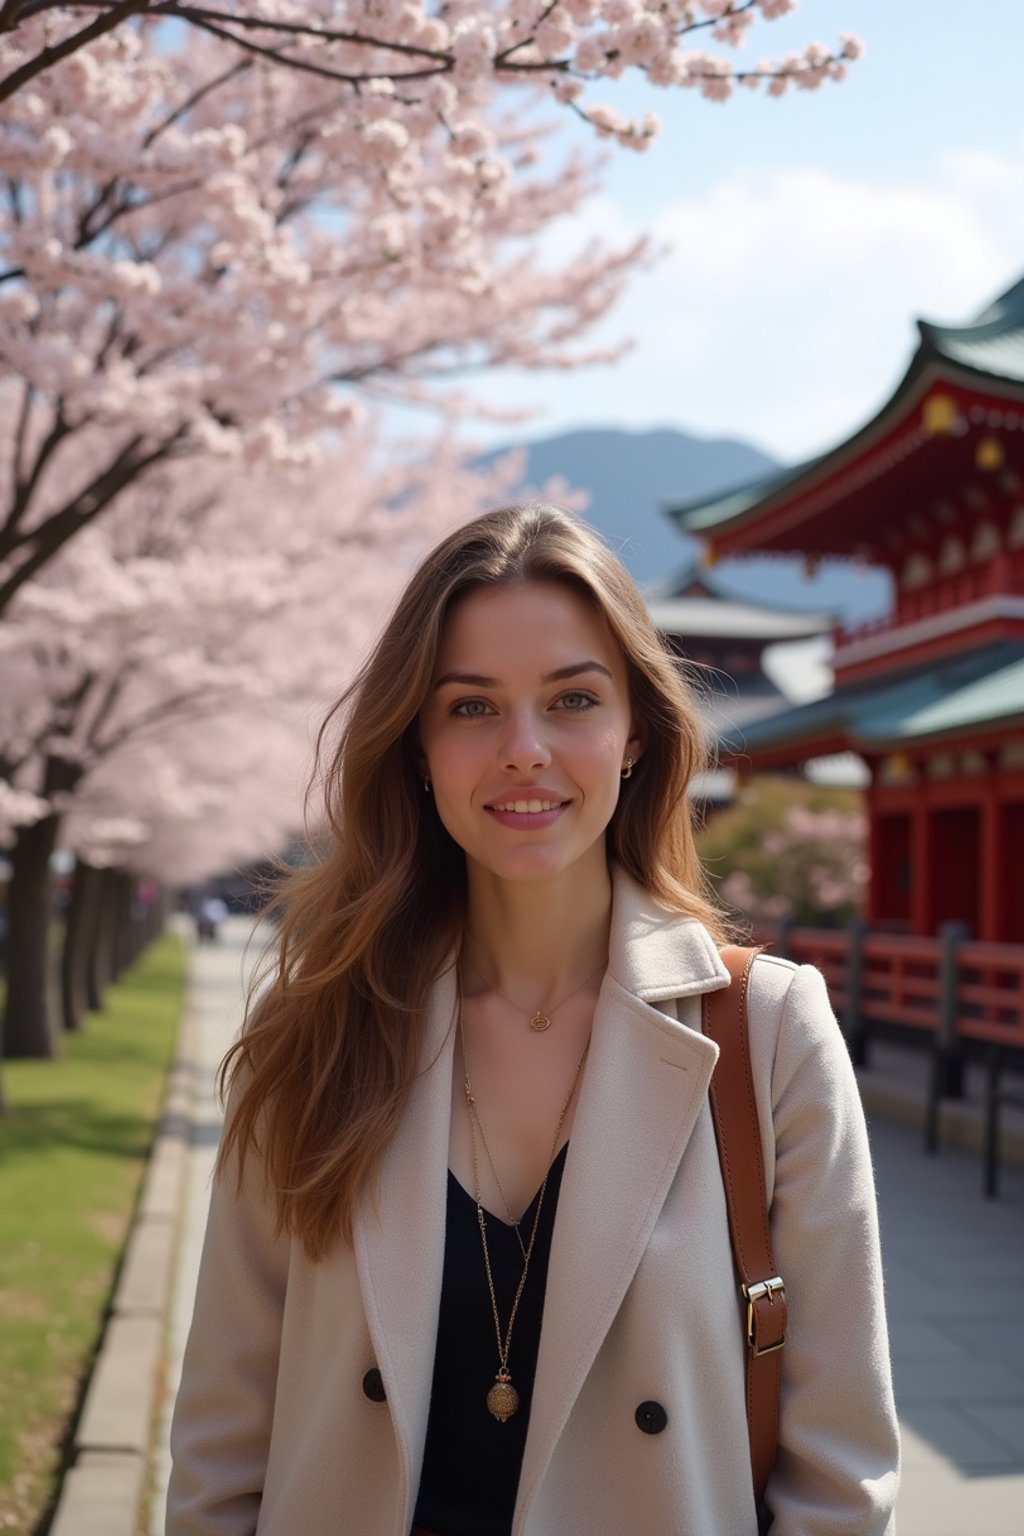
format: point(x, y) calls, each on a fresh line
point(524, 747)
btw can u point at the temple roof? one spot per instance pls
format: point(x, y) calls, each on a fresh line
point(977, 369)
point(734, 620)
point(962, 697)
point(694, 603)
point(992, 344)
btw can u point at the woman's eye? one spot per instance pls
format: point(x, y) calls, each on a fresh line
point(577, 700)
point(471, 709)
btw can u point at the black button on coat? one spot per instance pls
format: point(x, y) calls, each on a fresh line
point(651, 1418)
point(373, 1386)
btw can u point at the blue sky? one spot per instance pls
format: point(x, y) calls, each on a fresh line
point(806, 234)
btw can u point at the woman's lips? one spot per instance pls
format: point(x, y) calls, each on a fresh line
point(526, 820)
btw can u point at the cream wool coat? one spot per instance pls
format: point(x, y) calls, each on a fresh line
point(274, 1434)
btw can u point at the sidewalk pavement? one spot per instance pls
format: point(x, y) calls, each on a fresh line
point(954, 1266)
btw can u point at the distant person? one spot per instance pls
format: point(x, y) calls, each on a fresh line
point(468, 1268)
point(212, 912)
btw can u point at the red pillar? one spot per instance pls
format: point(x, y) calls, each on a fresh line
point(873, 901)
point(991, 853)
point(923, 835)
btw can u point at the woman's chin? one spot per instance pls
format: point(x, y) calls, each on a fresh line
point(536, 863)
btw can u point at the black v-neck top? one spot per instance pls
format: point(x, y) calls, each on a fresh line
point(471, 1463)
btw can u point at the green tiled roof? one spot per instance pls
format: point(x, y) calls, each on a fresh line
point(695, 516)
point(993, 697)
point(986, 687)
point(991, 345)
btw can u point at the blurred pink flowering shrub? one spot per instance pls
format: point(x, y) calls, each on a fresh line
point(786, 849)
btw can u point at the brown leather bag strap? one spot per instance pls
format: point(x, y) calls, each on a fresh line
point(738, 1133)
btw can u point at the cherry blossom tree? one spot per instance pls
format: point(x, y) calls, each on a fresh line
point(789, 851)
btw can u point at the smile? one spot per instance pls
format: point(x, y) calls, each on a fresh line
point(527, 807)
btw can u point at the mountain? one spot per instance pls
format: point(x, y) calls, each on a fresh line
point(631, 475)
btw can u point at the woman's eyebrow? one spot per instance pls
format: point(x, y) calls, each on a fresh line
point(562, 673)
point(477, 680)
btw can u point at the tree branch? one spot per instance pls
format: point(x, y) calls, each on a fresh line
point(444, 65)
point(68, 45)
point(299, 29)
point(25, 487)
point(54, 533)
point(18, 446)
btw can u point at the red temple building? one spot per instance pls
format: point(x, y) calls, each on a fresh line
point(932, 696)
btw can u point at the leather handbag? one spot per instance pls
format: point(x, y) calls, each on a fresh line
point(738, 1134)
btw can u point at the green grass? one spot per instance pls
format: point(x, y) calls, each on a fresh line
point(72, 1154)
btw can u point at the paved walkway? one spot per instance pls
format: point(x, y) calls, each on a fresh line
point(955, 1276)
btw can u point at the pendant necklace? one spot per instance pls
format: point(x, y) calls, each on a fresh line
point(541, 1019)
point(503, 1399)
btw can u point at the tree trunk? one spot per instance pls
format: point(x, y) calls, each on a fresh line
point(79, 938)
point(30, 1014)
point(101, 955)
point(156, 911)
point(124, 923)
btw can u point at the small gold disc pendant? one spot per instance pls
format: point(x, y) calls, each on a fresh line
point(502, 1399)
point(539, 1022)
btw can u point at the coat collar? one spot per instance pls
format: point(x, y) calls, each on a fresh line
point(655, 953)
point(645, 1081)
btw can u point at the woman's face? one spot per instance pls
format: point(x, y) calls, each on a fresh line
point(527, 728)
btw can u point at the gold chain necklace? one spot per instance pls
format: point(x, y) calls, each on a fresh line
point(541, 1019)
point(476, 1124)
point(503, 1399)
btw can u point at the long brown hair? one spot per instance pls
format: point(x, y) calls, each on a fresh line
point(322, 1072)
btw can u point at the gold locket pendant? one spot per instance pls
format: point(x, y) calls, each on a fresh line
point(502, 1399)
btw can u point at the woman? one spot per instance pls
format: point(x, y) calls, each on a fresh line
point(467, 1268)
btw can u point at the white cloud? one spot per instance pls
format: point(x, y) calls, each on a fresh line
point(784, 313)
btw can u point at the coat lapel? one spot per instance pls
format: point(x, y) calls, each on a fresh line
point(646, 1079)
point(399, 1244)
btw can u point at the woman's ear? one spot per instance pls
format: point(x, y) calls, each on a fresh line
point(636, 746)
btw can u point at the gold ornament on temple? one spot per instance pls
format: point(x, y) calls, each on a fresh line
point(939, 415)
point(990, 454)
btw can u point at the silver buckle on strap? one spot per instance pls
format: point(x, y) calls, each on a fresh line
point(772, 1288)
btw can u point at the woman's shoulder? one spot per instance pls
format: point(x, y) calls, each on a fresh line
point(791, 1002)
point(775, 980)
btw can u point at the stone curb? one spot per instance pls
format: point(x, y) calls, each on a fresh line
point(101, 1494)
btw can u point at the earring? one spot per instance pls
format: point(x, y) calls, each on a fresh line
point(627, 772)
point(426, 786)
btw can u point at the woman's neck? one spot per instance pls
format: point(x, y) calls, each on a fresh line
point(533, 941)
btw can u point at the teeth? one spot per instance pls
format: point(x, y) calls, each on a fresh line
point(531, 807)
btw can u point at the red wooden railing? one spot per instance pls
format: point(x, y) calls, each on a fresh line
point(998, 575)
point(900, 980)
point(990, 993)
point(948, 988)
